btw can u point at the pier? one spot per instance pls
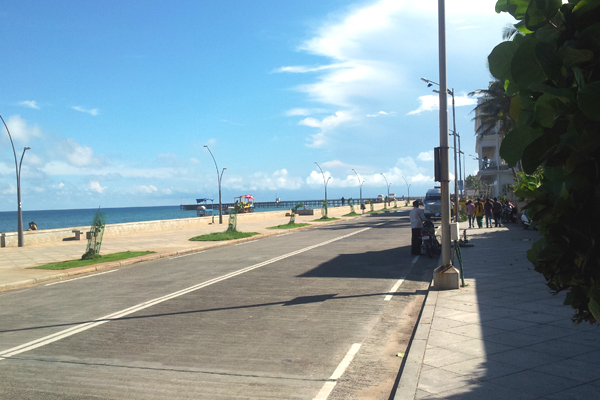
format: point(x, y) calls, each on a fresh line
point(283, 204)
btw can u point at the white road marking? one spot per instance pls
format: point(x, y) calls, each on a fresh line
point(188, 254)
point(394, 289)
point(381, 223)
point(120, 314)
point(339, 371)
point(81, 277)
point(415, 259)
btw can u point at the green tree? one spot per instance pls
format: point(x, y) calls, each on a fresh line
point(471, 182)
point(492, 112)
point(551, 73)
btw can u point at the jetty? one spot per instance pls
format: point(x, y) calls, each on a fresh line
point(282, 204)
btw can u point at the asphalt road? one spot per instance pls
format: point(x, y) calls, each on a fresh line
point(310, 314)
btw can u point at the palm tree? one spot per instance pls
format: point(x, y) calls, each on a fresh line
point(492, 113)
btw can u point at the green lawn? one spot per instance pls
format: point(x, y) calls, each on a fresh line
point(325, 219)
point(351, 215)
point(288, 226)
point(102, 259)
point(218, 236)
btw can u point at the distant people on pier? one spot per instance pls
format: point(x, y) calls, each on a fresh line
point(343, 201)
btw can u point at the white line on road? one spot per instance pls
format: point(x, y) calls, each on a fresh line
point(394, 288)
point(81, 277)
point(415, 259)
point(188, 254)
point(339, 371)
point(120, 314)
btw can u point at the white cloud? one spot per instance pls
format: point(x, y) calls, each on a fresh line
point(91, 111)
point(145, 189)
point(431, 102)
point(325, 124)
point(279, 179)
point(94, 186)
point(30, 104)
point(75, 154)
point(382, 114)
point(425, 156)
point(21, 131)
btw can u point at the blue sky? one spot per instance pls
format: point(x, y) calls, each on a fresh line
point(118, 98)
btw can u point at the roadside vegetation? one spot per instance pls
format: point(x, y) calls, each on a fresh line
point(325, 219)
point(288, 226)
point(100, 259)
point(548, 92)
point(219, 236)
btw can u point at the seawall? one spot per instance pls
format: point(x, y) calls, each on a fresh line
point(10, 239)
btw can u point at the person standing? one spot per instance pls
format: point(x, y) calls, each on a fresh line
point(497, 210)
point(417, 217)
point(478, 212)
point(488, 213)
point(470, 207)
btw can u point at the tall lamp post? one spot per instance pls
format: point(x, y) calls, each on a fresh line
point(219, 178)
point(359, 184)
point(456, 171)
point(325, 182)
point(407, 188)
point(388, 188)
point(18, 172)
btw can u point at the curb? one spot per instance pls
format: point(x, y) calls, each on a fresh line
point(410, 372)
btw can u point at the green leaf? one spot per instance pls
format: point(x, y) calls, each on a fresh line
point(594, 303)
point(549, 61)
point(516, 141)
point(588, 99)
point(571, 57)
point(540, 12)
point(516, 8)
point(500, 58)
point(538, 151)
point(525, 67)
point(584, 6)
point(547, 109)
point(590, 38)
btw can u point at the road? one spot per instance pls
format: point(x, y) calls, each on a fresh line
point(318, 313)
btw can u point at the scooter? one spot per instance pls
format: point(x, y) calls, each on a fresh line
point(525, 220)
point(430, 242)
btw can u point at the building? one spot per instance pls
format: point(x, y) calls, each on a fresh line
point(494, 173)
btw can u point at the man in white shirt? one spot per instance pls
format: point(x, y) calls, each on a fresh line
point(417, 217)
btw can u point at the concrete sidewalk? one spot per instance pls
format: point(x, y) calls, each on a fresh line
point(503, 336)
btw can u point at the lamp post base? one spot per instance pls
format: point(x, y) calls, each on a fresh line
point(446, 277)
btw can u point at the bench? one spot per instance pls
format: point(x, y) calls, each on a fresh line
point(77, 233)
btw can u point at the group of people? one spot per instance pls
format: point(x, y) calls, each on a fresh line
point(490, 209)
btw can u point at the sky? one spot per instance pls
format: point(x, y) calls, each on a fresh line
point(118, 99)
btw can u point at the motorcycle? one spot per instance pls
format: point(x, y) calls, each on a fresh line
point(508, 213)
point(430, 242)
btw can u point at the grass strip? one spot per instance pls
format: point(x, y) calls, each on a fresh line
point(102, 259)
point(288, 226)
point(325, 219)
point(218, 236)
point(351, 215)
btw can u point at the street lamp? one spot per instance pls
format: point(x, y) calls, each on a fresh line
point(219, 178)
point(18, 172)
point(388, 189)
point(325, 182)
point(407, 188)
point(359, 184)
point(456, 172)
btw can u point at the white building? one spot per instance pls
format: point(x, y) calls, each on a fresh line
point(494, 173)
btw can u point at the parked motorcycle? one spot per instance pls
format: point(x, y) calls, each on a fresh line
point(430, 242)
point(508, 213)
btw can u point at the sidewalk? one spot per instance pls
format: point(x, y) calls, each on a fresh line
point(15, 261)
point(503, 336)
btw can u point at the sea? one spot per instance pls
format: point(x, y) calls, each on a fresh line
point(56, 219)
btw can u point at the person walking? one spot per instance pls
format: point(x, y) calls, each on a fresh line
point(470, 207)
point(497, 210)
point(417, 217)
point(478, 212)
point(487, 206)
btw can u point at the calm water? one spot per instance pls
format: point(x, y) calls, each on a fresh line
point(54, 219)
